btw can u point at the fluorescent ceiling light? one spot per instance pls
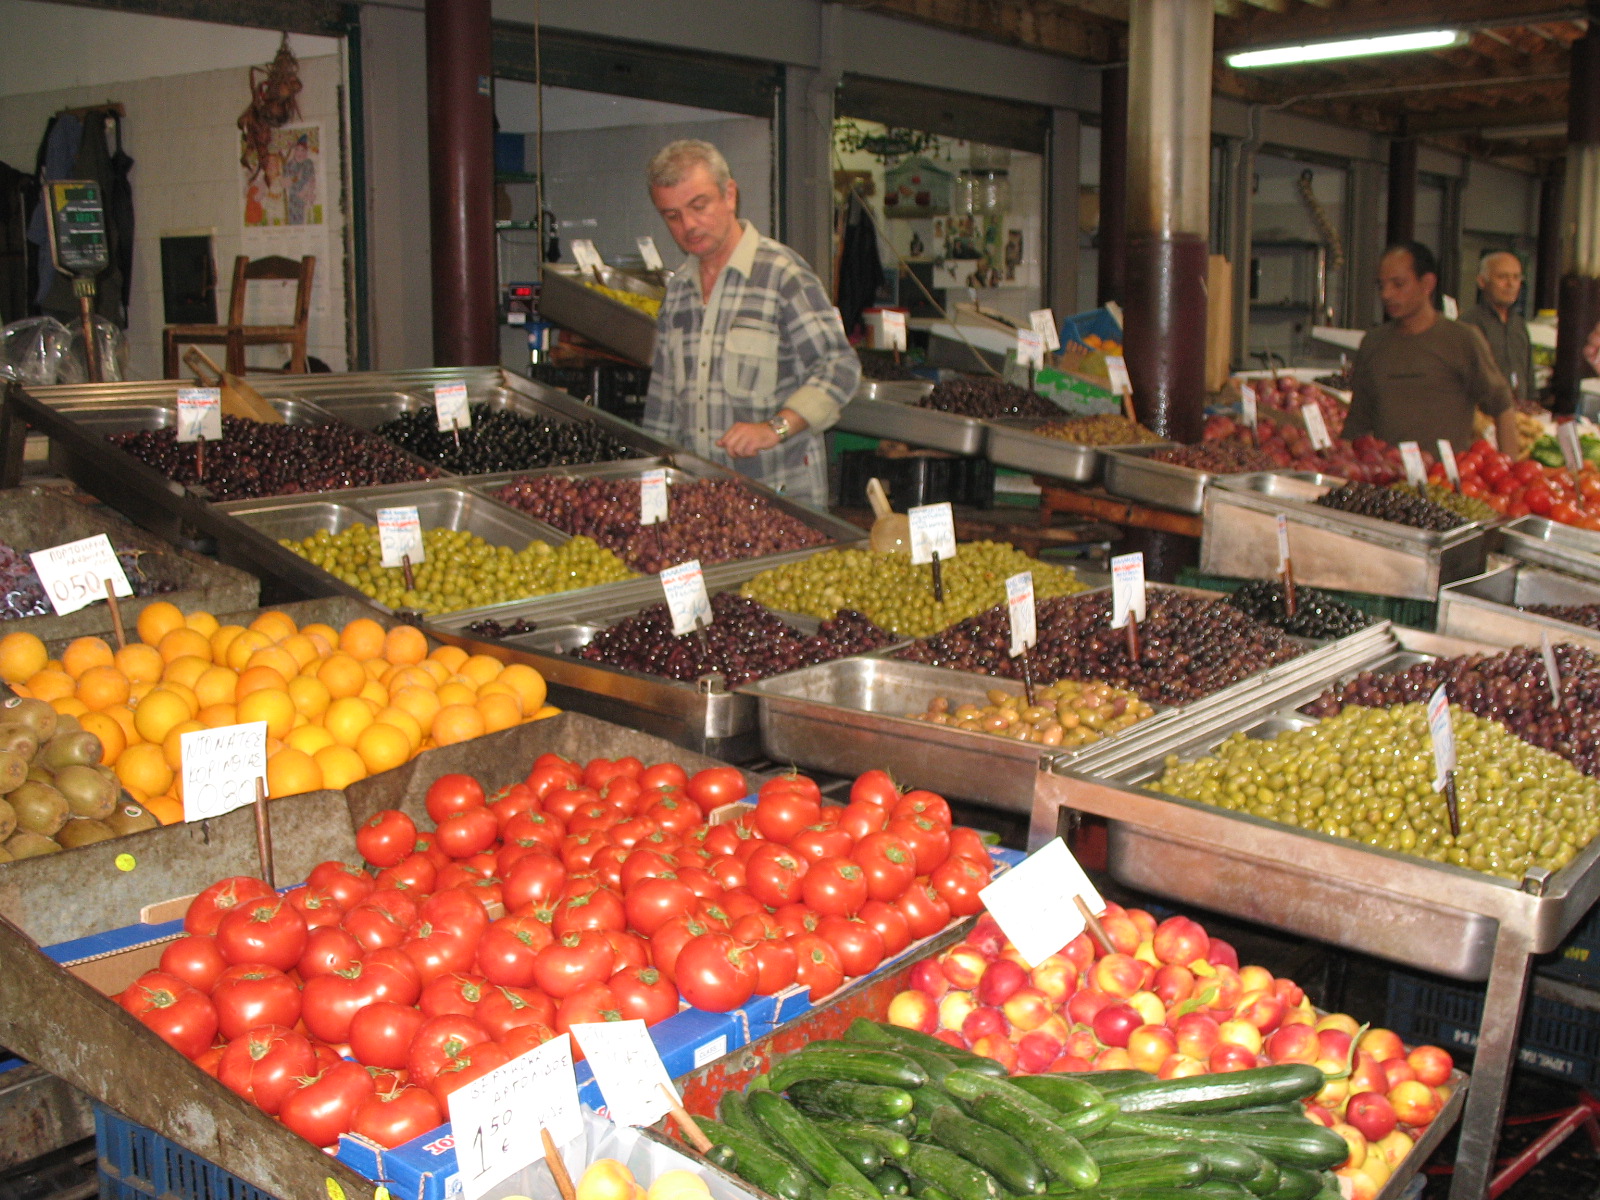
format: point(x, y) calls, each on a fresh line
point(1391, 43)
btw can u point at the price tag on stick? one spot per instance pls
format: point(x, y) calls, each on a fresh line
point(1411, 457)
point(450, 404)
point(1552, 672)
point(1019, 602)
point(74, 574)
point(1034, 902)
point(1117, 370)
point(221, 768)
point(1571, 450)
point(653, 497)
point(1316, 427)
point(400, 536)
point(628, 1068)
point(648, 252)
point(1247, 404)
point(894, 330)
point(1030, 348)
point(1447, 455)
point(1443, 735)
point(1127, 589)
point(199, 414)
point(685, 588)
point(933, 531)
point(1043, 321)
point(497, 1118)
point(586, 256)
point(1286, 566)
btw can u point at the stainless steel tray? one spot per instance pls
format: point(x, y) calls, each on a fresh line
point(1299, 490)
point(1014, 444)
point(1538, 540)
point(901, 420)
point(566, 301)
point(1132, 474)
point(1489, 606)
point(900, 391)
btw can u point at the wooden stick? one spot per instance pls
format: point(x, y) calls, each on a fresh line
point(685, 1122)
point(116, 614)
point(264, 836)
point(1450, 803)
point(558, 1167)
point(405, 567)
point(1027, 677)
point(1127, 407)
point(938, 579)
point(1133, 638)
point(200, 459)
point(1096, 930)
point(1288, 588)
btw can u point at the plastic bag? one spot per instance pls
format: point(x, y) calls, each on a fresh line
point(42, 351)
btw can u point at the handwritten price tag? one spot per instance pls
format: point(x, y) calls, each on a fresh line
point(1447, 455)
point(74, 574)
point(1030, 348)
point(1283, 543)
point(933, 531)
point(1247, 404)
point(1043, 321)
point(653, 497)
point(894, 329)
point(1552, 672)
point(450, 403)
point(1443, 735)
point(199, 414)
point(1019, 602)
point(685, 588)
point(1411, 456)
point(1316, 427)
point(221, 767)
point(400, 536)
point(1127, 588)
point(496, 1118)
point(1117, 370)
point(1033, 901)
point(628, 1068)
point(586, 256)
point(648, 252)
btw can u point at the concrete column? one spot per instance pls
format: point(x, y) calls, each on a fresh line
point(1241, 167)
point(1113, 273)
point(1361, 245)
point(1579, 298)
point(461, 182)
point(1403, 190)
point(1547, 256)
point(807, 200)
point(1061, 229)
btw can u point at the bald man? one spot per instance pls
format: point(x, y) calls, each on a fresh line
point(1499, 285)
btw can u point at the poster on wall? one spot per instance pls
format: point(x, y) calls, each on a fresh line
point(287, 191)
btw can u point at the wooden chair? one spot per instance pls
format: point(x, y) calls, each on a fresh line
point(235, 334)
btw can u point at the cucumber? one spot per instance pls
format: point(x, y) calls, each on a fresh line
point(857, 1064)
point(1109, 1152)
point(950, 1173)
point(969, 1086)
point(1087, 1122)
point(793, 1130)
point(724, 1157)
point(926, 1101)
point(1220, 1189)
point(891, 1145)
point(905, 1126)
point(1226, 1092)
point(1065, 1092)
point(843, 1098)
point(840, 1192)
point(735, 1111)
point(1234, 1164)
point(1061, 1153)
point(756, 1162)
point(1171, 1170)
point(1266, 1182)
point(891, 1180)
point(927, 1191)
point(1133, 1193)
point(937, 1065)
point(884, 1034)
point(1110, 1083)
point(997, 1152)
point(1312, 1146)
point(1296, 1183)
point(863, 1155)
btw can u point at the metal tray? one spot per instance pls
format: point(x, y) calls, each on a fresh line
point(1132, 474)
point(1301, 489)
point(1538, 540)
point(1489, 606)
point(896, 416)
point(899, 391)
point(566, 301)
point(1014, 444)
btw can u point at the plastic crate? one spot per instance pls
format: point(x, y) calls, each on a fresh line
point(916, 479)
point(1415, 614)
point(1558, 1039)
point(136, 1163)
point(1577, 960)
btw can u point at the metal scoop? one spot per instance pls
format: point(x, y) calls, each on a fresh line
point(891, 530)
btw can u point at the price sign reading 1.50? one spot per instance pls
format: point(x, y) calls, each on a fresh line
point(496, 1118)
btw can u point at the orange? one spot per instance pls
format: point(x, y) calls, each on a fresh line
point(222, 638)
point(138, 691)
point(21, 655)
point(182, 642)
point(186, 692)
point(341, 766)
point(113, 741)
point(157, 619)
point(214, 716)
point(302, 649)
point(166, 809)
point(497, 688)
point(404, 677)
point(144, 766)
point(450, 657)
point(51, 684)
point(404, 722)
point(528, 682)
point(309, 738)
point(374, 691)
point(216, 685)
point(321, 629)
point(499, 712)
point(549, 710)
point(272, 706)
point(253, 679)
point(436, 670)
point(456, 723)
point(276, 657)
point(310, 696)
point(172, 744)
point(376, 668)
point(291, 771)
point(342, 676)
point(421, 703)
point(480, 668)
point(186, 670)
point(455, 692)
point(243, 646)
point(21, 689)
point(362, 638)
point(123, 715)
point(276, 625)
point(404, 645)
point(140, 663)
point(607, 1179)
point(157, 713)
point(85, 652)
point(346, 718)
point(69, 704)
point(101, 687)
point(202, 623)
point(383, 747)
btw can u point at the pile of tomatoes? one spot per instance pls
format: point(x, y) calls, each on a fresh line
point(360, 1000)
point(1520, 487)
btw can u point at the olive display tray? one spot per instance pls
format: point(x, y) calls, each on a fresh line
point(568, 302)
point(1489, 606)
point(1552, 544)
point(889, 410)
point(1131, 473)
point(1014, 444)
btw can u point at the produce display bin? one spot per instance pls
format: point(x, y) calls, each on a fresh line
point(1418, 614)
point(889, 410)
point(1551, 544)
point(1015, 444)
point(567, 301)
point(1489, 606)
point(1132, 474)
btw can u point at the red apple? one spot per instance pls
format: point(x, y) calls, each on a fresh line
point(1264, 1010)
point(1121, 932)
point(1341, 1021)
point(1367, 1075)
point(1150, 1046)
point(914, 1010)
point(1000, 978)
point(1144, 921)
point(1056, 977)
point(1357, 1142)
point(954, 1009)
point(1149, 1007)
point(987, 936)
point(1394, 1148)
point(1293, 1044)
point(1197, 1035)
point(1057, 1027)
point(1114, 1024)
point(1293, 994)
point(1180, 940)
point(1356, 1184)
point(1230, 1057)
point(1414, 1102)
point(1335, 1043)
point(1432, 1064)
point(928, 976)
point(1335, 1089)
point(1117, 975)
point(998, 1047)
point(1255, 979)
point(952, 1037)
point(1112, 1058)
point(1070, 1064)
point(1145, 952)
point(983, 1021)
point(1222, 954)
point(1372, 1114)
point(1320, 1115)
point(1173, 983)
point(1181, 1066)
point(1239, 1032)
point(1382, 1044)
point(1036, 1051)
point(1397, 1070)
point(1028, 1008)
point(964, 966)
point(1080, 952)
point(1224, 988)
point(1011, 954)
point(1081, 1043)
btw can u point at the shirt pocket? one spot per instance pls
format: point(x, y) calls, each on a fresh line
point(750, 362)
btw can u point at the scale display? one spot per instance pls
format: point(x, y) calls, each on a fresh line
point(78, 222)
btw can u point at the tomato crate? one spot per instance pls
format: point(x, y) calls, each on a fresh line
point(136, 1163)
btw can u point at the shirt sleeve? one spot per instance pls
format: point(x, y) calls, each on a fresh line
point(829, 367)
point(657, 420)
point(1486, 385)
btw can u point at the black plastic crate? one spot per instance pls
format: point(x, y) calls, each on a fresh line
point(916, 479)
point(1578, 958)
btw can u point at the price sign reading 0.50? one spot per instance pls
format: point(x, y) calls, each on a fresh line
point(74, 574)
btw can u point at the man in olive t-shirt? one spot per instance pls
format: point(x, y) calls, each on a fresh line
point(1419, 377)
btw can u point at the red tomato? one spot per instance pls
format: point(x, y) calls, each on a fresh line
point(588, 1005)
point(1565, 512)
point(266, 929)
point(348, 886)
point(525, 1037)
point(958, 882)
point(326, 1106)
point(728, 871)
point(835, 887)
point(507, 950)
point(923, 803)
point(1473, 487)
point(467, 833)
point(210, 1061)
point(386, 837)
point(566, 802)
point(817, 966)
point(537, 826)
point(926, 912)
point(890, 923)
point(316, 907)
point(381, 1033)
point(968, 843)
point(1538, 499)
point(716, 786)
point(393, 1118)
point(701, 882)
point(776, 963)
point(775, 874)
point(460, 994)
point(623, 793)
point(887, 862)
point(713, 915)
point(644, 994)
point(783, 812)
point(178, 1014)
point(578, 850)
point(670, 939)
point(754, 927)
point(457, 910)
point(1516, 509)
point(503, 1009)
point(675, 814)
point(715, 973)
point(594, 818)
point(417, 873)
point(645, 864)
point(630, 950)
point(439, 1042)
point(724, 839)
point(452, 794)
point(266, 1064)
point(436, 950)
point(1527, 470)
point(820, 841)
point(206, 910)
point(512, 799)
point(929, 840)
point(663, 774)
point(473, 1063)
point(859, 945)
point(607, 866)
point(600, 908)
point(377, 924)
point(1493, 470)
point(330, 1001)
point(252, 994)
point(795, 919)
point(598, 772)
point(194, 959)
point(655, 900)
point(875, 787)
point(328, 949)
point(791, 781)
point(738, 902)
point(552, 777)
point(572, 960)
point(862, 818)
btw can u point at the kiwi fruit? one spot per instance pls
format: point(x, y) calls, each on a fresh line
point(39, 773)
point(8, 820)
point(35, 714)
point(83, 832)
point(66, 723)
point(19, 739)
point(13, 770)
point(78, 748)
point(130, 818)
point(88, 795)
point(24, 844)
point(40, 808)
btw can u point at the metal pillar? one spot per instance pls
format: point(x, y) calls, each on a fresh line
point(1112, 283)
point(461, 182)
point(1547, 257)
point(1579, 300)
point(1402, 190)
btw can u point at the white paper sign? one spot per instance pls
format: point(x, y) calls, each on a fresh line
point(1030, 349)
point(496, 1118)
point(1247, 404)
point(894, 329)
point(933, 531)
point(1127, 588)
point(1117, 369)
point(1443, 735)
point(1033, 902)
point(199, 414)
point(1043, 321)
point(1019, 602)
point(1411, 456)
point(220, 768)
point(1447, 455)
point(74, 574)
point(1316, 427)
point(685, 588)
point(653, 497)
point(586, 256)
point(1552, 672)
point(1452, 310)
point(648, 252)
point(400, 536)
point(1571, 450)
point(628, 1068)
point(450, 403)
point(1283, 543)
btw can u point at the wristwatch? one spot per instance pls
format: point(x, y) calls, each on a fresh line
point(780, 426)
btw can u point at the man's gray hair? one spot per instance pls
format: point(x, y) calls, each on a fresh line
point(676, 159)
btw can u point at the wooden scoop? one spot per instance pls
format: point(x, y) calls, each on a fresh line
point(239, 399)
point(891, 530)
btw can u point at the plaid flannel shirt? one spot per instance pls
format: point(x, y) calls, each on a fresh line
point(767, 339)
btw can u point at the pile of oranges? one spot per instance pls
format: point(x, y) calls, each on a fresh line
point(339, 704)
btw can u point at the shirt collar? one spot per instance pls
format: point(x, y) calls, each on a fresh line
point(744, 254)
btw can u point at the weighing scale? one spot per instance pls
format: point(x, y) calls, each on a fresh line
point(78, 248)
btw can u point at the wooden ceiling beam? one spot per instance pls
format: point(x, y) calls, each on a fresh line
point(1466, 120)
point(1254, 27)
point(1033, 24)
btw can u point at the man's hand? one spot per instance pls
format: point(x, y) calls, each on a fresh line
point(745, 439)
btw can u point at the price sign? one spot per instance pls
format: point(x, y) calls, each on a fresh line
point(199, 414)
point(1247, 404)
point(1043, 321)
point(1452, 310)
point(1411, 456)
point(894, 329)
point(1316, 427)
point(1117, 369)
point(1030, 348)
point(400, 536)
point(933, 531)
point(586, 256)
point(1552, 673)
point(74, 574)
point(653, 497)
point(496, 1118)
point(1127, 588)
point(1571, 450)
point(1283, 543)
point(628, 1068)
point(1019, 602)
point(685, 586)
point(1443, 735)
point(220, 768)
point(1447, 455)
point(1033, 902)
point(648, 252)
point(450, 403)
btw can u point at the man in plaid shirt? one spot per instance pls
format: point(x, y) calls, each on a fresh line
point(751, 360)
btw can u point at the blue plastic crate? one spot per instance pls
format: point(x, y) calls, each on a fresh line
point(139, 1164)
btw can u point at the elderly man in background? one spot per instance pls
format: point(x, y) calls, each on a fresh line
point(1499, 285)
